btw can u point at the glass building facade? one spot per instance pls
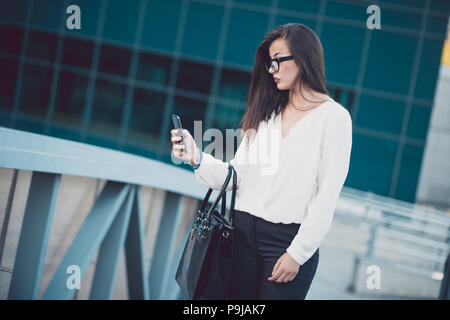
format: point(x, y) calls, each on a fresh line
point(116, 81)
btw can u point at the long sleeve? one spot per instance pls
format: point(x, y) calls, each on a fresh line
point(213, 172)
point(332, 173)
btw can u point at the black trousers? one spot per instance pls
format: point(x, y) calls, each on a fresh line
point(257, 245)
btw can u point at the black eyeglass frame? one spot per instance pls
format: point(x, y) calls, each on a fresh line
point(278, 60)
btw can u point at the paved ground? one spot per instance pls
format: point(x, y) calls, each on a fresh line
point(336, 266)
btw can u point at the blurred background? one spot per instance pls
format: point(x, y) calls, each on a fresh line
point(115, 82)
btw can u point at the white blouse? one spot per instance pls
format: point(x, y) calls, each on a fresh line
point(295, 179)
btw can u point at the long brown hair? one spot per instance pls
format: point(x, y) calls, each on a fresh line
point(264, 97)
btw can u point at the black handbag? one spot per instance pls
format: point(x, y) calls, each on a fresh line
point(204, 270)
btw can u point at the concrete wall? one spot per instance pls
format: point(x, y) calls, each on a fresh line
point(434, 181)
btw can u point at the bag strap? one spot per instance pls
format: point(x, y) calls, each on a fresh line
point(224, 203)
point(233, 198)
point(206, 199)
point(208, 194)
point(233, 195)
point(222, 190)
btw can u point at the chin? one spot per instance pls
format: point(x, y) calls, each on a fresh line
point(281, 87)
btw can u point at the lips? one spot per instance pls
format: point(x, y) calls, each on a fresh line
point(276, 80)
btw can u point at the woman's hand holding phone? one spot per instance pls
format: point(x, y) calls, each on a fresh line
point(191, 154)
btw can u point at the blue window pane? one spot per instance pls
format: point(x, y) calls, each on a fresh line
point(161, 24)
point(70, 99)
point(409, 173)
point(437, 24)
point(8, 77)
point(234, 84)
point(287, 19)
point(265, 3)
point(304, 6)
point(77, 52)
point(4, 119)
point(194, 76)
point(35, 91)
point(121, 20)
point(146, 117)
point(49, 14)
point(439, 5)
point(390, 61)
point(401, 19)
point(407, 3)
point(371, 164)
point(355, 12)
point(90, 11)
point(153, 68)
point(198, 39)
point(107, 108)
point(380, 114)
point(227, 117)
point(14, 10)
point(11, 39)
point(342, 46)
point(419, 120)
point(114, 60)
point(42, 45)
point(241, 46)
point(429, 68)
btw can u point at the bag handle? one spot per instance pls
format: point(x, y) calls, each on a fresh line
point(206, 199)
point(222, 190)
point(233, 197)
point(222, 194)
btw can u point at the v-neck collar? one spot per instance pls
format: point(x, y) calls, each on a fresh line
point(280, 126)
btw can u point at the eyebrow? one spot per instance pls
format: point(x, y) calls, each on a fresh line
point(276, 54)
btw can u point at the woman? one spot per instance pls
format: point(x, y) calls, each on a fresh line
point(282, 216)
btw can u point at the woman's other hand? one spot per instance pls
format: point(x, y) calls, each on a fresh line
point(285, 269)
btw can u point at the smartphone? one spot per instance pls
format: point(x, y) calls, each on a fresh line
point(177, 125)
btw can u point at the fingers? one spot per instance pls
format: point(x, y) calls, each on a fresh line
point(277, 276)
point(275, 267)
point(282, 276)
point(177, 131)
point(275, 272)
point(176, 139)
point(179, 152)
point(186, 150)
point(179, 147)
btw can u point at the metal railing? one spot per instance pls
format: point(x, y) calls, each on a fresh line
point(114, 222)
point(409, 238)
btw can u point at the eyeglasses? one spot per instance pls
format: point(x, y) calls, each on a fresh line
point(275, 63)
